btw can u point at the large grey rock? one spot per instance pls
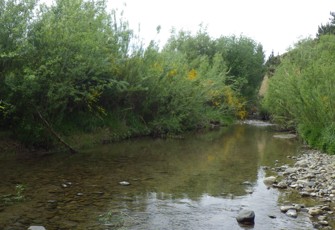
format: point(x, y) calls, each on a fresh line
point(246, 216)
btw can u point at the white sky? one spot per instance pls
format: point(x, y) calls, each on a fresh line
point(276, 24)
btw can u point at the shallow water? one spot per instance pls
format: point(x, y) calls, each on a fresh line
point(191, 183)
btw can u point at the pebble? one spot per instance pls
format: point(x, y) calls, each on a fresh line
point(312, 176)
point(124, 183)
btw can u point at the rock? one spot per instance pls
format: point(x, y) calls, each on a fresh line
point(294, 185)
point(272, 216)
point(298, 207)
point(312, 176)
point(246, 216)
point(269, 180)
point(314, 211)
point(301, 163)
point(281, 185)
point(249, 191)
point(292, 213)
point(304, 210)
point(285, 136)
point(321, 218)
point(124, 183)
point(52, 204)
point(305, 194)
point(324, 223)
point(290, 171)
point(36, 228)
point(325, 208)
point(98, 193)
point(247, 183)
point(313, 194)
point(286, 208)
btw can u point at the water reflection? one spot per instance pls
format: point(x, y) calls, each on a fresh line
point(210, 212)
point(194, 183)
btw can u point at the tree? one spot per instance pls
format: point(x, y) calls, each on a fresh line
point(193, 46)
point(15, 21)
point(329, 28)
point(245, 61)
point(69, 53)
point(272, 63)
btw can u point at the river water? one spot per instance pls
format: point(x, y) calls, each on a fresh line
point(199, 182)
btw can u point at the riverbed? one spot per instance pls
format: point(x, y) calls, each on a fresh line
point(200, 181)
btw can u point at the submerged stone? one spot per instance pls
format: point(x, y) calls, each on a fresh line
point(285, 136)
point(124, 183)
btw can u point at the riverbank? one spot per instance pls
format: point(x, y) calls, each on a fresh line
point(80, 140)
point(311, 181)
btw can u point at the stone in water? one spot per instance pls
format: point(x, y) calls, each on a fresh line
point(124, 183)
point(246, 216)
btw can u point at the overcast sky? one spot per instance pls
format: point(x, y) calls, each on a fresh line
point(276, 24)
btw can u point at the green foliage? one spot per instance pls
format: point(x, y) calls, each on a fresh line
point(83, 70)
point(329, 28)
point(271, 64)
point(245, 61)
point(301, 93)
point(14, 24)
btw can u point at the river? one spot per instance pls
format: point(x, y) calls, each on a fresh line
point(199, 182)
